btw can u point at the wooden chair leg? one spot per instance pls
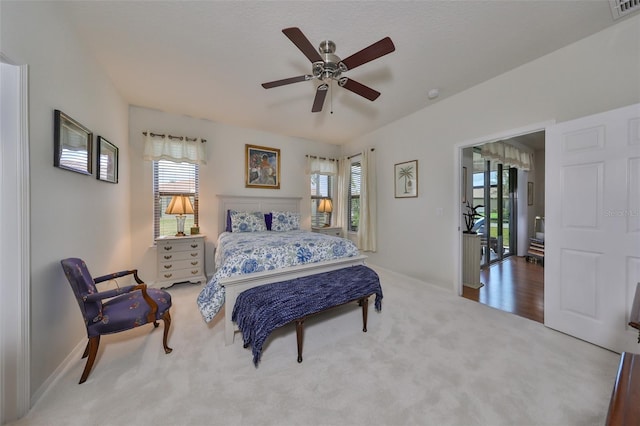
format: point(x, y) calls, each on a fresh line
point(92, 348)
point(365, 307)
point(167, 323)
point(300, 336)
point(86, 350)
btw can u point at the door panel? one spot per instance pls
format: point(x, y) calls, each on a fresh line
point(592, 239)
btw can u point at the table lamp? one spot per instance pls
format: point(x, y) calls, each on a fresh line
point(180, 205)
point(326, 206)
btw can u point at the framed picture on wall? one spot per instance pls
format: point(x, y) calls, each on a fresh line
point(262, 167)
point(107, 161)
point(406, 179)
point(72, 144)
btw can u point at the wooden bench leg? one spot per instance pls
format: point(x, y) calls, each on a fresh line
point(365, 307)
point(300, 336)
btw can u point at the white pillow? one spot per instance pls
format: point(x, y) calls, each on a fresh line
point(285, 221)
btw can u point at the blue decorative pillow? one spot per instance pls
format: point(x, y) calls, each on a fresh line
point(247, 222)
point(285, 221)
point(268, 218)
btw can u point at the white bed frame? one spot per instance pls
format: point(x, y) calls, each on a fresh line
point(237, 284)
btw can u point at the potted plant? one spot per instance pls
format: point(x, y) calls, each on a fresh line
point(470, 217)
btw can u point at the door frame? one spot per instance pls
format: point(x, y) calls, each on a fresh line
point(457, 193)
point(15, 401)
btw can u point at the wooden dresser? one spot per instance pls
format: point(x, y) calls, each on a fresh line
point(180, 260)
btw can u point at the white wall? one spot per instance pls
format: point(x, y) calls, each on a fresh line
point(596, 74)
point(223, 174)
point(71, 214)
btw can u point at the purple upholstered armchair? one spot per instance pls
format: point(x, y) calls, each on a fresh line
point(128, 307)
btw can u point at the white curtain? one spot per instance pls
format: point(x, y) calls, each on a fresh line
point(324, 166)
point(174, 148)
point(342, 195)
point(508, 155)
point(367, 230)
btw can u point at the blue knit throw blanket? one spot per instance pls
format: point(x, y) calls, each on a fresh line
point(260, 310)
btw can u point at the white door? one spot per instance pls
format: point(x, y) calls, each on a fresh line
point(592, 227)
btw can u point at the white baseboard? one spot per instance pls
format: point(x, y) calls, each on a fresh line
point(65, 365)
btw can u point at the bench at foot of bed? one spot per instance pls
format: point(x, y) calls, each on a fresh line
point(363, 301)
point(260, 310)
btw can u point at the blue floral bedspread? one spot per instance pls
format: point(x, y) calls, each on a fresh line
point(247, 252)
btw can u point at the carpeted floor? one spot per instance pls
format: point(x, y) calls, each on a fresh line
point(429, 358)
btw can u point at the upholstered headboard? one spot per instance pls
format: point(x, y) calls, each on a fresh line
point(253, 204)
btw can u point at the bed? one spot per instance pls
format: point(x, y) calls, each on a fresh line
point(249, 259)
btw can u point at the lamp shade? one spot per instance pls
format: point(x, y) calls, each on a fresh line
point(180, 204)
point(326, 206)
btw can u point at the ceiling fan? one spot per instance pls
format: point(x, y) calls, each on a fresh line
point(326, 66)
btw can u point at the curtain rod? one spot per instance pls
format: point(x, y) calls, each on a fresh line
point(355, 155)
point(174, 137)
point(333, 159)
point(320, 158)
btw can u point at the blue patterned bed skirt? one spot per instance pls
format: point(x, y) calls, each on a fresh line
point(260, 310)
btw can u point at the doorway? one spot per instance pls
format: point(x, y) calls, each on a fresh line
point(14, 246)
point(510, 198)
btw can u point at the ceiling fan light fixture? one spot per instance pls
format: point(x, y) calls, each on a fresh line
point(327, 66)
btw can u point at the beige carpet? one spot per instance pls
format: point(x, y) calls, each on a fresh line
point(429, 358)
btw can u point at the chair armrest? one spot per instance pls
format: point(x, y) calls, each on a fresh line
point(152, 303)
point(118, 275)
point(94, 297)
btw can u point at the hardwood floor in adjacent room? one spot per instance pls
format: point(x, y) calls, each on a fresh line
point(513, 285)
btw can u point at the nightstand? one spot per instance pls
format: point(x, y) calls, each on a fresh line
point(328, 230)
point(180, 260)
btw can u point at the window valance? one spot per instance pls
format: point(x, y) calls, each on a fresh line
point(174, 148)
point(508, 155)
point(325, 166)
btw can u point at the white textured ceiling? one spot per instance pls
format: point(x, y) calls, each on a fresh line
point(207, 59)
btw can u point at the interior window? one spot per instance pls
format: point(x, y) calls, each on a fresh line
point(321, 190)
point(169, 179)
point(354, 195)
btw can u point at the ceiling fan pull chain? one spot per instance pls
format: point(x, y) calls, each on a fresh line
point(331, 94)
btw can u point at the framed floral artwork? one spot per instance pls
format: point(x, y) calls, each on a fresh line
point(406, 179)
point(262, 167)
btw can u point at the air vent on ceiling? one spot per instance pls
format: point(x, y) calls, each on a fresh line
point(620, 8)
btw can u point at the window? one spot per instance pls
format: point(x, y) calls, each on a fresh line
point(354, 195)
point(321, 188)
point(169, 179)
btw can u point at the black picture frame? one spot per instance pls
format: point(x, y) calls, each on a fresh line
point(107, 161)
point(73, 144)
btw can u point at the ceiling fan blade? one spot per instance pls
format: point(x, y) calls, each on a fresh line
point(370, 53)
point(285, 81)
point(359, 88)
point(302, 43)
point(321, 93)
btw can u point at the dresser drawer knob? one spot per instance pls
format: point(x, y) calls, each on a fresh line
point(168, 275)
point(167, 257)
point(168, 266)
point(195, 271)
point(194, 263)
point(194, 254)
point(168, 248)
point(194, 246)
